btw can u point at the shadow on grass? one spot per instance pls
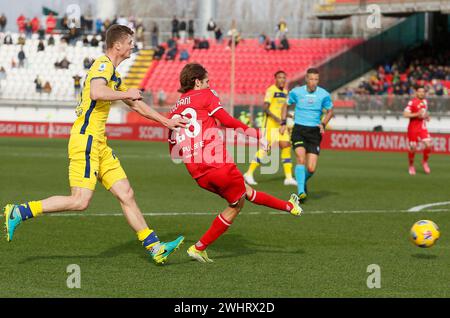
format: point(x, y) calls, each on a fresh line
point(321, 194)
point(236, 245)
point(229, 246)
point(424, 256)
point(130, 247)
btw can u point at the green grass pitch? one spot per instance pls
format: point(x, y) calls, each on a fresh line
point(356, 216)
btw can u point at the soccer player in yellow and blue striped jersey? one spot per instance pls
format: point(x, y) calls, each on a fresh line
point(91, 159)
point(274, 100)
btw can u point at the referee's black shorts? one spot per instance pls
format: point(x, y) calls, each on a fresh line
point(306, 137)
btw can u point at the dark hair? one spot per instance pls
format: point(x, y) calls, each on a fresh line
point(312, 71)
point(116, 32)
point(279, 72)
point(190, 73)
point(417, 87)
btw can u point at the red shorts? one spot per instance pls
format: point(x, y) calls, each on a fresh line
point(418, 135)
point(226, 181)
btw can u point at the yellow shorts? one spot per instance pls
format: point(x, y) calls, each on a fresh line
point(272, 134)
point(92, 160)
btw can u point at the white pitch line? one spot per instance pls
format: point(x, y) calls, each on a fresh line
point(87, 214)
point(428, 205)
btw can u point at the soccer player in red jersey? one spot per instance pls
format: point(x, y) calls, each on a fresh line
point(417, 112)
point(201, 147)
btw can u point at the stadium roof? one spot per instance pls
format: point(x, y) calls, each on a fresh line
point(338, 9)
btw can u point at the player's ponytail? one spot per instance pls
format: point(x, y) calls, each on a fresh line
point(190, 73)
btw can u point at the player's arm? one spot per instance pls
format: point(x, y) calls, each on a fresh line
point(146, 111)
point(329, 113)
point(266, 108)
point(230, 122)
point(327, 106)
point(408, 114)
point(100, 91)
point(284, 112)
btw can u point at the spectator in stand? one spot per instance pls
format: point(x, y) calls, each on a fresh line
point(77, 84)
point(183, 31)
point(281, 29)
point(86, 40)
point(234, 34)
point(218, 34)
point(3, 22)
point(51, 40)
point(184, 55)
point(94, 41)
point(21, 39)
point(50, 23)
point(89, 19)
point(171, 54)
point(98, 26)
point(161, 97)
point(204, 44)
point(2, 73)
point(155, 35)
point(41, 46)
point(140, 31)
point(87, 63)
point(63, 64)
point(262, 38)
point(210, 27)
point(159, 52)
point(196, 44)
point(47, 88)
point(8, 39)
point(191, 29)
point(175, 27)
point(28, 29)
point(41, 33)
point(21, 56)
point(106, 24)
point(38, 84)
point(438, 87)
point(284, 43)
point(171, 43)
point(35, 24)
point(13, 63)
point(21, 23)
point(65, 22)
point(269, 44)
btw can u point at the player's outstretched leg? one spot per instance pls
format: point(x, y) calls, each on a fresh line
point(218, 227)
point(158, 250)
point(261, 198)
point(16, 214)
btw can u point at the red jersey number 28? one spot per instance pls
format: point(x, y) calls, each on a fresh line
point(192, 128)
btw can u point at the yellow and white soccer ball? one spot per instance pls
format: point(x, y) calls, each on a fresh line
point(424, 233)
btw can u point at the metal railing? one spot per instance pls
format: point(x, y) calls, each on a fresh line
point(389, 104)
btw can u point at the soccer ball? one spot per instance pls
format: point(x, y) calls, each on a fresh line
point(424, 233)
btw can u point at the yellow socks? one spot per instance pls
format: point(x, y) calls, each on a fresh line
point(287, 162)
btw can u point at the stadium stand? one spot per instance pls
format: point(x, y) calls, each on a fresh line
point(424, 65)
point(254, 65)
point(19, 84)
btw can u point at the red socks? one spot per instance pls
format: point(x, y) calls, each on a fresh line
point(411, 157)
point(218, 227)
point(426, 154)
point(265, 199)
